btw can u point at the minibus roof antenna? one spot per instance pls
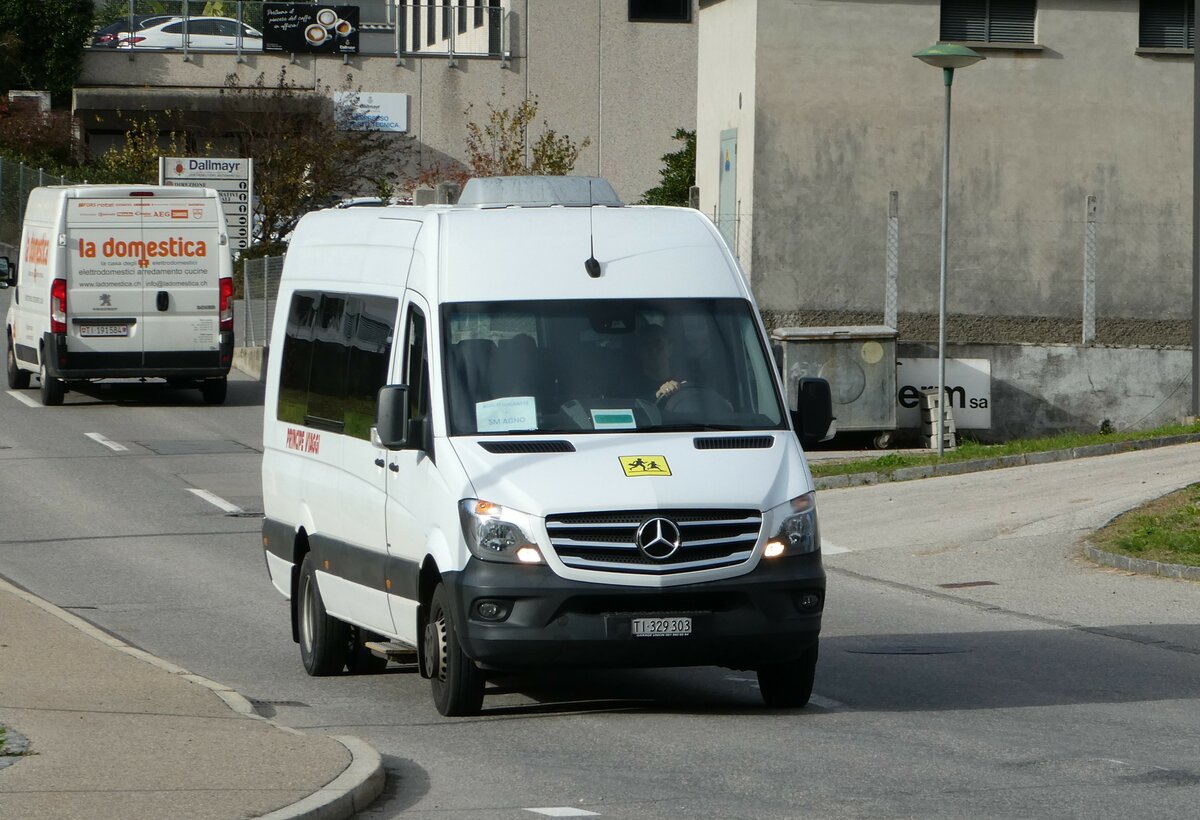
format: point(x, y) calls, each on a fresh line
point(592, 266)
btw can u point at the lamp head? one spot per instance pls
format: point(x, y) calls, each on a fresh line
point(948, 55)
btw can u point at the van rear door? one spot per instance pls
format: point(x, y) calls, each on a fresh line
point(104, 282)
point(181, 300)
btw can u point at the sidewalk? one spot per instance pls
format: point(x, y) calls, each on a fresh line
point(113, 732)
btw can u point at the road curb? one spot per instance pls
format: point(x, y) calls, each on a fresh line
point(1141, 565)
point(833, 482)
point(350, 792)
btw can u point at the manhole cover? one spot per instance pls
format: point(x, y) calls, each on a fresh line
point(195, 448)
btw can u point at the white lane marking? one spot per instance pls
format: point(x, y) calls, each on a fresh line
point(564, 811)
point(831, 549)
point(215, 500)
point(112, 445)
point(25, 400)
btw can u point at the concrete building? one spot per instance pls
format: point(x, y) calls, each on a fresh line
point(810, 113)
point(617, 72)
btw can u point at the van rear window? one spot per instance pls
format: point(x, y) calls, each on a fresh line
point(335, 358)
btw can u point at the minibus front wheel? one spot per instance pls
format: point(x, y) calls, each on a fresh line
point(457, 682)
point(789, 685)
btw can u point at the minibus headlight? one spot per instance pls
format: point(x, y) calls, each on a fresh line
point(793, 527)
point(495, 533)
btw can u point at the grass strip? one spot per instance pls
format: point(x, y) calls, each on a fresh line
point(970, 450)
point(1166, 529)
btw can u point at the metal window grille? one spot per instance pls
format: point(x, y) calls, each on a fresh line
point(1167, 24)
point(989, 21)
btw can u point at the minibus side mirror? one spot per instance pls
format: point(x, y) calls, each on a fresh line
point(391, 417)
point(813, 416)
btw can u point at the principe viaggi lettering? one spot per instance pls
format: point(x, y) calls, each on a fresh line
point(113, 248)
point(305, 441)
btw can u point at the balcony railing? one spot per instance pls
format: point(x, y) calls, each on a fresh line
point(397, 28)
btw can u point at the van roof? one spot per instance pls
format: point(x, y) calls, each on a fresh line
point(516, 253)
point(121, 191)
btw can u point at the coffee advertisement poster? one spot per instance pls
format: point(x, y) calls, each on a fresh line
point(310, 28)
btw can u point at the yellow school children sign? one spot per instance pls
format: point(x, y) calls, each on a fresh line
point(644, 465)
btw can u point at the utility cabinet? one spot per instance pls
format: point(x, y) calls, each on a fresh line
point(859, 362)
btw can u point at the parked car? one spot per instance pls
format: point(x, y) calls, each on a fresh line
point(216, 33)
point(115, 32)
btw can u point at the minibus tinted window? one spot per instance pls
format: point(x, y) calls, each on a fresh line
point(335, 358)
point(584, 366)
point(297, 358)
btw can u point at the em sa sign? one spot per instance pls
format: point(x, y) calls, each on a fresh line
point(233, 179)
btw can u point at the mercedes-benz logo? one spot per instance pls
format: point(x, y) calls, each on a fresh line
point(658, 538)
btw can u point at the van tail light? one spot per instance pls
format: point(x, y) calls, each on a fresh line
point(58, 306)
point(226, 285)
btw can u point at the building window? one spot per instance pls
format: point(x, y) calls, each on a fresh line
point(660, 11)
point(988, 21)
point(1167, 24)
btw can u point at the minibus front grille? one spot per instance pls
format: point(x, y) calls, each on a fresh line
point(608, 540)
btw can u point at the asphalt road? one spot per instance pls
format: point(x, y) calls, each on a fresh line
point(1046, 687)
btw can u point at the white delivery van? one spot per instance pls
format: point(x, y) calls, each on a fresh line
point(122, 281)
point(536, 429)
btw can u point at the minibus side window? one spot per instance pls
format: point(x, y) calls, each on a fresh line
point(297, 358)
point(416, 366)
point(370, 320)
point(327, 375)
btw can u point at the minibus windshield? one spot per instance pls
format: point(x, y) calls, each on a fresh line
point(601, 366)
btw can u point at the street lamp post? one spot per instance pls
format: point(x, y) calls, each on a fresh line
point(947, 57)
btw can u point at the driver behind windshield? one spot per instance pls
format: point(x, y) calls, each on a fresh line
point(655, 361)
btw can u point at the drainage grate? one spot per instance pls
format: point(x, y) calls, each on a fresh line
point(197, 447)
point(909, 649)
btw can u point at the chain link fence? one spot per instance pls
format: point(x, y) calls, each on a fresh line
point(260, 286)
point(16, 181)
point(1079, 279)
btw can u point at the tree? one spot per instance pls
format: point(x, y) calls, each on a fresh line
point(678, 173)
point(136, 161)
point(303, 161)
point(498, 147)
point(46, 38)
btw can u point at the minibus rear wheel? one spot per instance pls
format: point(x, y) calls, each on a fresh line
point(457, 682)
point(18, 379)
point(789, 685)
point(324, 640)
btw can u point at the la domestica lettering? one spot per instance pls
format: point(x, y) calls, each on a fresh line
point(113, 248)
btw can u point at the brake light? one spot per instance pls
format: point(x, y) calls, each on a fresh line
point(58, 306)
point(226, 285)
point(141, 193)
point(131, 40)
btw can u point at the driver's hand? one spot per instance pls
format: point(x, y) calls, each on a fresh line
point(667, 388)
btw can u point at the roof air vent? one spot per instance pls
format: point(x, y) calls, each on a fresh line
point(538, 192)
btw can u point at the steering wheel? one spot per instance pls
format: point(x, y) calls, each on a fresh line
point(694, 398)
